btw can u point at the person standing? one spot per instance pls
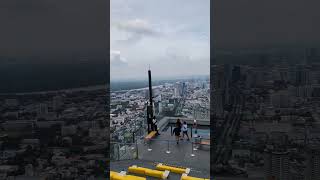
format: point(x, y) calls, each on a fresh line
point(155, 124)
point(179, 125)
point(195, 127)
point(176, 132)
point(185, 130)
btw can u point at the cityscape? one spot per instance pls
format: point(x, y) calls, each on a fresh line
point(131, 128)
point(54, 134)
point(266, 114)
point(185, 99)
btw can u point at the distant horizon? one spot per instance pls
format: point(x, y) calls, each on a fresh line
point(164, 78)
point(143, 83)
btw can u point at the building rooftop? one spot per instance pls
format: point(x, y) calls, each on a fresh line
point(163, 149)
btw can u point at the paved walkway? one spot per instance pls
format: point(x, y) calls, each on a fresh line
point(180, 155)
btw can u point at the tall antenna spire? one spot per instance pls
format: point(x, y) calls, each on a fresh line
point(150, 87)
point(150, 106)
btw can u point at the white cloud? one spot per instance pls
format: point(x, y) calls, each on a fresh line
point(117, 60)
point(138, 26)
point(135, 30)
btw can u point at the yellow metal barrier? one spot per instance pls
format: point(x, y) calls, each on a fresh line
point(148, 172)
point(186, 177)
point(151, 135)
point(116, 176)
point(177, 170)
point(123, 176)
point(130, 177)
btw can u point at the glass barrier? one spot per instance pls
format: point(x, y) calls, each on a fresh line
point(157, 149)
point(123, 151)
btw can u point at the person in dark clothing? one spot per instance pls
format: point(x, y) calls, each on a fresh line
point(176, 132)
point(179, 124)
point(155, 124)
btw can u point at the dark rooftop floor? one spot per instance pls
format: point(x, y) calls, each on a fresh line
point(180, 155)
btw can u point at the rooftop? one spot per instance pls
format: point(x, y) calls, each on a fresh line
point(162, 149)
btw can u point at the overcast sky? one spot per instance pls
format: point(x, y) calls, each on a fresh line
point(254, 23)
point(46, 28)
point(172, 36)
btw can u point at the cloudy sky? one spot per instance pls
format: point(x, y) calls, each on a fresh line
point(47, 28)
point(172, 36)
point(254, 23)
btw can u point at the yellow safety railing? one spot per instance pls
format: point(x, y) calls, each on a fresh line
point(173, 169)
point(148, 172)
point(186, 177)
point(123, 176)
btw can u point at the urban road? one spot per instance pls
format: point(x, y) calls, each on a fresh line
point(228, 129)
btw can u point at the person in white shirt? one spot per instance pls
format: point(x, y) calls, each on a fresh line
point(195, 127)
point(185, 130)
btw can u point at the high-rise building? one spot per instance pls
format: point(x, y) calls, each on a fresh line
point(276, 165)
point(316, 90)
point(310, 55)
point(236, 74)
point(176, 92)
point(218, 100)
point(56, 103)
point(160, 107)
point(264, 60)
point(249, 78)
point(43, 109)
point(304, 91)
point(284, 74)
point(200, 112)
point(302, 75)
point(221, 78)
point(313, 163)
point(218, 77)
point(178, 89)
point(184, 87)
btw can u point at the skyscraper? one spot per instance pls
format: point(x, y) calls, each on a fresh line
point(313, 163)
point(276, 165)
point(236, 74)
point(178, 89)
point(221, 78)
point(43, 109)
point(310, 55)
point(57, 102)
point(302, 75)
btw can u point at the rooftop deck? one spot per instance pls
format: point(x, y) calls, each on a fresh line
point(163, 149)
